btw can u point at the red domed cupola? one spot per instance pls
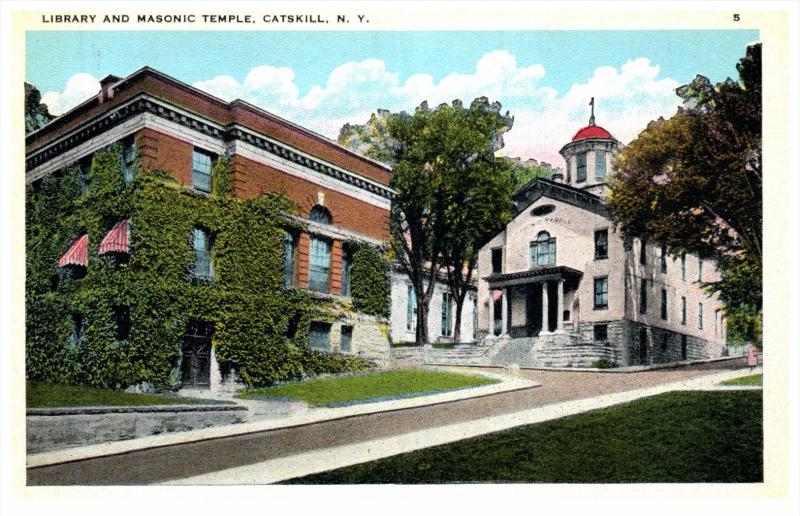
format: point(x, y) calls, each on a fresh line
point(592, 131)
point(589, 158)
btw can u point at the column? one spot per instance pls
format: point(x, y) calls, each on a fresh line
point(545, 321)
point(504, 315)
point(560, 313)
point(491, 314)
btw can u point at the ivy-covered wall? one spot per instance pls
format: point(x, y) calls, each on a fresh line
point(260, 329)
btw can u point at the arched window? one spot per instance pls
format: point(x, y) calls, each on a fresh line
point(543, 250)
point(321, 214)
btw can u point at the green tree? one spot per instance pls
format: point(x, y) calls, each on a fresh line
point(451, 192)
point(524, 172)
point(36, 113)
point(694, 182)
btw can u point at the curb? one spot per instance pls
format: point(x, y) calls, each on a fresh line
point(507, 384)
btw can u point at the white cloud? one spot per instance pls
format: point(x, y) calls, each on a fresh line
point(79, 87)
point(627, 97)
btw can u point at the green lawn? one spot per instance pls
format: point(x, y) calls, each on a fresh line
point(754, 379)
point(41, 395)
point(674, 437)
point(337, 391)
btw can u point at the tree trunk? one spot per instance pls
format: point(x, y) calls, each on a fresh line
point(423, 302)
point(459, 308)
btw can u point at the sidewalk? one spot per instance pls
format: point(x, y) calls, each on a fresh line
point(279, 415)
point(316, 461)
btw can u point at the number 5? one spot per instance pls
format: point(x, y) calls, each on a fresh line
point(736, 17)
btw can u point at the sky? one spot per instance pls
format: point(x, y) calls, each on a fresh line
point(323, 80)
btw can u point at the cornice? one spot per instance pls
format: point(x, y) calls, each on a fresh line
point(145, 104)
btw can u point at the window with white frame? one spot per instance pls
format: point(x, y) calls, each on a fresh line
point(600, 164)
point(411, 309)
point(581, 167)
point(447, 314)
point(127, 159)
point(203, 263)
point(201, 171)
point(289, 252)
point(601, 293)
point(320, 267)
point(543, 250)
point(601, 244)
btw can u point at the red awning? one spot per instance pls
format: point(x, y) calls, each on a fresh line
point(77, 254)
point(496, 294)
point(116, 240)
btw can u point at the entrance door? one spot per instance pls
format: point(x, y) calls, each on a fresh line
point(196, 346)
point(533, 309)
point(642, 346)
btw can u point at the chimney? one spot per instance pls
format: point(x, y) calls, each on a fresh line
point(106, 90)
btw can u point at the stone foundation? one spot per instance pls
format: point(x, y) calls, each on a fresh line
point(567, 349)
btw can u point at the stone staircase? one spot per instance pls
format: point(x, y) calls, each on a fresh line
point(515, 351)
point(459, 355)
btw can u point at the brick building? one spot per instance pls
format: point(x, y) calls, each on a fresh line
point(166, 124)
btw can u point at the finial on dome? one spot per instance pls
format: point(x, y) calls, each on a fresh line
point(591, 118)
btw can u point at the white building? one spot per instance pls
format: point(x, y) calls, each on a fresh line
point(441, 313)
point(559, 287)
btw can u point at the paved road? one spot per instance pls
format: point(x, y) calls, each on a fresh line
point(178, 461)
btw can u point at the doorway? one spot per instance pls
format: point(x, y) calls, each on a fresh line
point(643, 346)
point(196, 349)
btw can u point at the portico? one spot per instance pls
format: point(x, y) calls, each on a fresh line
point(530, 303)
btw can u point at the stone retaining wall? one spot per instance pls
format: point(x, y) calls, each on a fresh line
point(58, 428)
point(622, 347)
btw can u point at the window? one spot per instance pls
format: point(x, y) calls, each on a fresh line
point(289, 250)
point(447, 314)
point(347, 338)
point(497, 260)
point(201, 171)
point(664, 304)
point(600, 332)
point(77, 336)
point(319, 272)
point(683, 347)
point(600, 165)
point(683, 266)
point(716, 322)
point(543, 250)
point(643, 252)
point(566, 315)
point(85, 167)
point(601, 244)
point(411, 309)
point(663, 257)
point(321, 215)
point(601, 293)
point(127, 159)
point(643, 296)
point(347, 263)
point(203, 265)
point(699, 269)
point(700, 315)
point(683, 310)
point(122, 316)
point(664, 341)
point(581, 168)
point(474, 317)
point(319, 336)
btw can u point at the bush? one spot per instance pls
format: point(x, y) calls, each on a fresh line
point(316, 362)
point(604, 363)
